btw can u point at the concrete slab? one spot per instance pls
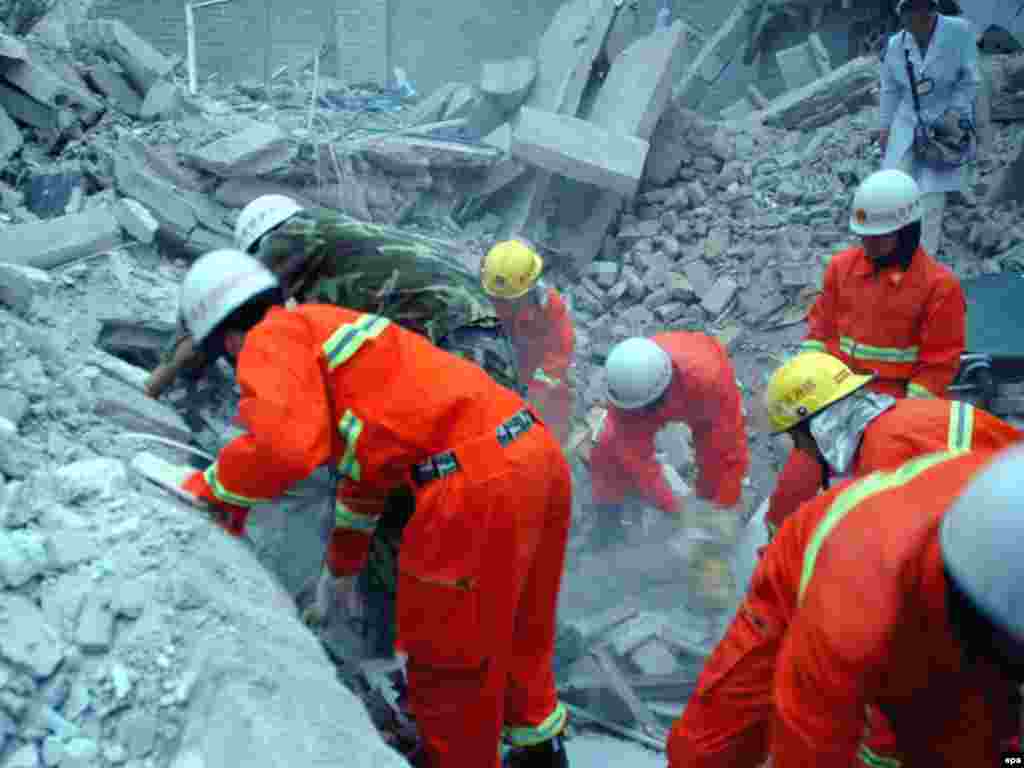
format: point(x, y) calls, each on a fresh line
point(10, 137)
point(508, 81)
point(825, 99)
point(132, 409)
point(26, 639)
point(803, 64)
point(27, 110)
point(13, 49)
point(20, 284)
point(164, 101)
point(136, 220)
point(115, 87)
point(48, 244)
point(565, 58)
point(580, 150)
point(720, 296)
point(716, 53)
point(162, 198)
point(143, 63)
point(259, 149)
point(363, 41)
point(238, 193)
point(43, 85)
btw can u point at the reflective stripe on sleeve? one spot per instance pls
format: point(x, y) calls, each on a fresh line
point(528, 735)
point(353, 521)
point(224, 494)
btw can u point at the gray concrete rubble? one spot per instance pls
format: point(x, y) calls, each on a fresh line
point(257, 150)
point(508, 81)
point(141, 62)
point(48, 244)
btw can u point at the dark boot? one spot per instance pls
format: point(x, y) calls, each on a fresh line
point(547, 754)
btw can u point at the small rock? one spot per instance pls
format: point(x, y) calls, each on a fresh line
point(13, 406)
point(95, 631)
point(700, 277)
point(720, 295)
point(653, 658)
point(131, 600)
point(138, 730)
point(605, 273)
point(26, 638)
point(92, 478)
point(67, 548)
point(25, 757)
point(22, 557)
point(80, 753)
point(53, 752)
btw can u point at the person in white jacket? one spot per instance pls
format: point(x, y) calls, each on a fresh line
point(944, 55)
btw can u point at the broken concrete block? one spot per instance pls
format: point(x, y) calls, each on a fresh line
point(143, 64)
point(68, 548)
point(166, 202)
point(22, 557)
point(132, 409)
point(205, 241)
point(25, 637)
point(580, 150)
point(826, 99)
point(136, 219)
point(238, 193)
point(44, 86)
point(720, 296)
point(362, 42)
point(259, 149)
point(12, 49)
point(115, 87)
point(631, 104)
point(48, 244)
point(164, 101)
point(13, 406)
point(95, 630)
point(629, 636)
point(20, 284)
point(700, 277)
point(27, 110)
point(717, 52)
point(130, 374)
point(10, 136)
point(508, 81)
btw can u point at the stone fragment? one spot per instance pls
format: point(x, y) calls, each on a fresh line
point(20, 284)
point(133, 410)
point(10, 135)
point(131, 600)
point(26, 756)
point(44, 86)
point(653, 658)
point(95, 630)
point(141, 62)
point(826, 99)
point(720, 296)
point(580, 150)
point(68, 548)
point(115, 87)
point(13, 404)
point(508, 81)
point(26, 640)
point(259, 149)
point(164, 101)
point(138, 732)
point(51, 243)
point(136, 220)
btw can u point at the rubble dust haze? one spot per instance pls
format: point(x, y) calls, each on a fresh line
point(669, 185)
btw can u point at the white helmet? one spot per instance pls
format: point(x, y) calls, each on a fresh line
point(216, 285)
point(885, 202)
point(260, 216)
point(980, 539)
point(638, 373)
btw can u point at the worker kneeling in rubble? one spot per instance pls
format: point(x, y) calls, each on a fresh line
point(324, 257)
point(481, 559)
point(538, 322)
point(886, 308)
point(675, 376)
point(901, 592)
point(834, 417)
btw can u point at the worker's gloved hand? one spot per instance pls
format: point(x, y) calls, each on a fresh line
point(334, 596)
point(228, 516)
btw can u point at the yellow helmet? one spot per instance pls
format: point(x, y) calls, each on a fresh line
point(807, 384)
point(510, 269)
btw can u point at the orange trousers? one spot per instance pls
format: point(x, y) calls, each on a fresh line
point(727, 721)
point(479, 573)
point(554, 405)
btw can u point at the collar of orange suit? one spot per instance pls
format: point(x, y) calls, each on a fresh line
point(894, 274)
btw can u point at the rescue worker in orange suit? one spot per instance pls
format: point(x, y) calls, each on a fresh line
point(886, 308)
point(900, 592)
point(481, 559)
point(852, 430)
point(675, 376)
point(536, 318)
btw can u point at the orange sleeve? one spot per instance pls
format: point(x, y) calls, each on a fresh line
point(943, 340)
point(561, 339)
point(799, 481)
point(830, 661)
point(633, 446)
point(283, 409)
point(821, 327)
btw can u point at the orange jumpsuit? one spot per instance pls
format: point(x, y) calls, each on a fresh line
point(481, 559)
point(911, 427)
point(543, 335)
point(704, 395)
point(909, 328)
point(811, 648)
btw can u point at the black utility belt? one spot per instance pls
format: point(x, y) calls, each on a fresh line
point(446, 463)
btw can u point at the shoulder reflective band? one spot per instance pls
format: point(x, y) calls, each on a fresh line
point(961, 426)
point(350, 337)
point(845, 502)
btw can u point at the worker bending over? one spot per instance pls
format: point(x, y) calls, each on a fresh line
point(675, 376)
point(538, 321)
point(849, 430)
point(898, 593)
point(481, 559)
point(887, 308)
